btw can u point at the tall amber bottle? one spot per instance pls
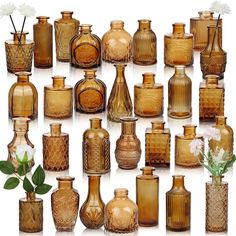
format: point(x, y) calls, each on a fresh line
point(43, 54)
point(178, 206)
point(65, 29)
point(55, 149)
point(96, 148)
point(180, 94)
point(183, 156)
point(23, 97)
point(90, 93)
point(92, 210)
point(157, 145)
point(58, 99)
point(117, 43)
point(144, 44)
point(211, 98)
point(148, 97)
point(147, 197)
point(119, 102)
point(85, 48)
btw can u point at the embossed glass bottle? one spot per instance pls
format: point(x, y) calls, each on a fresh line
point(58, 99)
point(211, 98)
point(55, 149)
point(147, 197)
point(157, 145)
point(65, 29)
point(23, 97)
point(148, 97)
point(96, 148)
point(117, 43)
point(144, 44)
point(90, 93)
point(178, 47)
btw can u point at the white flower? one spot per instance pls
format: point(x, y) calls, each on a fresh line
point(212, 133)
point(24, 153)
point(196, 146)
point(26, 10)
point(7, 9)
point(220, 8)
point(219, 157)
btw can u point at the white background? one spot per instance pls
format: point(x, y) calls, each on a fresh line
point(99, 14)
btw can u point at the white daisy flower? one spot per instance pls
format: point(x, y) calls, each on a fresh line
point(7, 9)
point(26, 10)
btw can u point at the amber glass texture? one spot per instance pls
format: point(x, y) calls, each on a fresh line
point(147, 197)
point(90, 93)
point(148, 97)
point(144, 44)
point(121, 213)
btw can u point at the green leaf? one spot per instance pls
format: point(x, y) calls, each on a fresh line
point(7, 167)
point(23, 169)
point(28, 187)
point(208, 168)
point(38, 176)
point(11, 183)
point(42, 189)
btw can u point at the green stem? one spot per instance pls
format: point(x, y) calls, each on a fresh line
point(18, 177)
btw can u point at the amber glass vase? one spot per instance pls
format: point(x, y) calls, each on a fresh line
point(92, 210)
point(23, 97)
point(119, 102)
point(55, 149)
point(30, 213)
point(211, 98)
point(19, 52)
point(147, 197)
point(157, 145)
point(178, 206)
point(43, 50)
point(144, 44)
point(65, 29)
point(117, 43)
point(96, 148)
point(58, 99)
point(183, 156)
point(180, 94)
point(121, 213)
point(65, 204)
point(216, 205)
point(148, 97)
point(90, 93)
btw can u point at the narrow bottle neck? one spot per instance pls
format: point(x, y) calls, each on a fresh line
point(117, 25)
point(94, 185)
point(148, 79)
point(58, 81)
point(42, 19)
point(144, 24)
point(95, 123)
point(128, 127)
point(190, 130)
point(147, 170)
point(178, 181)
point(19, 37)
point(212, 80)
point(213, 38)
point(30, 196)
point(55, 129)
point(180, 70)
point(21, 125)
point(23, 78)
point(65, 184)
point(217, 179)
point(179, 30)
point(221, 120)
point(206, 15)
point(120, 73)
point(158, 126)
point(85, 29)
point(121, 193)
point(90, 74)
point(67, 15)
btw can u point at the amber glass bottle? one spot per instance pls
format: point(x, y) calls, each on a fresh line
point(96, 148)
point(119, 102)
point(58, 99)
point(183, 156)
point(178, 206)
point(144, 44)
point(23, 97)
point(90, 93)
point(211, 98)
point(55, 149)
point(117, 43)
point(180, 94)
point(157, 145)
point(85, 48)
point(121, 213)
point(43, 49)
point(19, 52)
point(148, 97)
point(147, 197)
point(178, 47)
point(65, 29)
point(65, 204)
point(92, 210)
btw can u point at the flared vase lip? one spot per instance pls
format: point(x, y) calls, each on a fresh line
point(15, 119)
point(58, 77)
point(67, 12)
point(85, 25)
point(148, 74)
point(178, 176)
point(65, 178)
point(42, 17)
point(121, 190)
point(178, 24)
point(180, 66)
point(95, 119)
point(94, 175)
point(147, 168)
point(19, 32)
point(23, 73)
point(120, 64)
point(128, 118)
point(145, 20)
point(189, 126)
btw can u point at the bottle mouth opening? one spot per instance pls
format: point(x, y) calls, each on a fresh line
point(179, 24)
point(121, 191)
point(67, 12)
point(144, 21)
point(19, 32)
point(149, 74)
point(65, 178)
point(42, 17)
point(23, 73)
point(128, 119)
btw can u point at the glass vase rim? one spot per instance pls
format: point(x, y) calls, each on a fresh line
point(59, 77)
point(42, 17)
point(128, 119)
point(65, 178)
point(95, 119)
point(144, 20)
point(120, 65)
point(121, 190)
point(67, 12)
point(149, 74)
point(94, 175)
point(178, 24)
point(158, 122)
point(23, 73)
point(189, 126)
point(151, 168)
point(21, 119)
point(119, 22)
point(178, 176)
point(85, 25)
point(55, 124)
point(214, 26)
point(19, 32)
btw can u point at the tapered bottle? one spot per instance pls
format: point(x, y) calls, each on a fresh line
point(90, 93)
point(119, 102)
point(180, 94)
point(178, 206)
point(23, 97)
point(65, 29)
point(144, 44)
point(43, 50)
point(92, 210)
point(157, 145)
point(147, 197)
point(178, 47)
point(58, 99)
point(55, 149)
point(148, 97)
